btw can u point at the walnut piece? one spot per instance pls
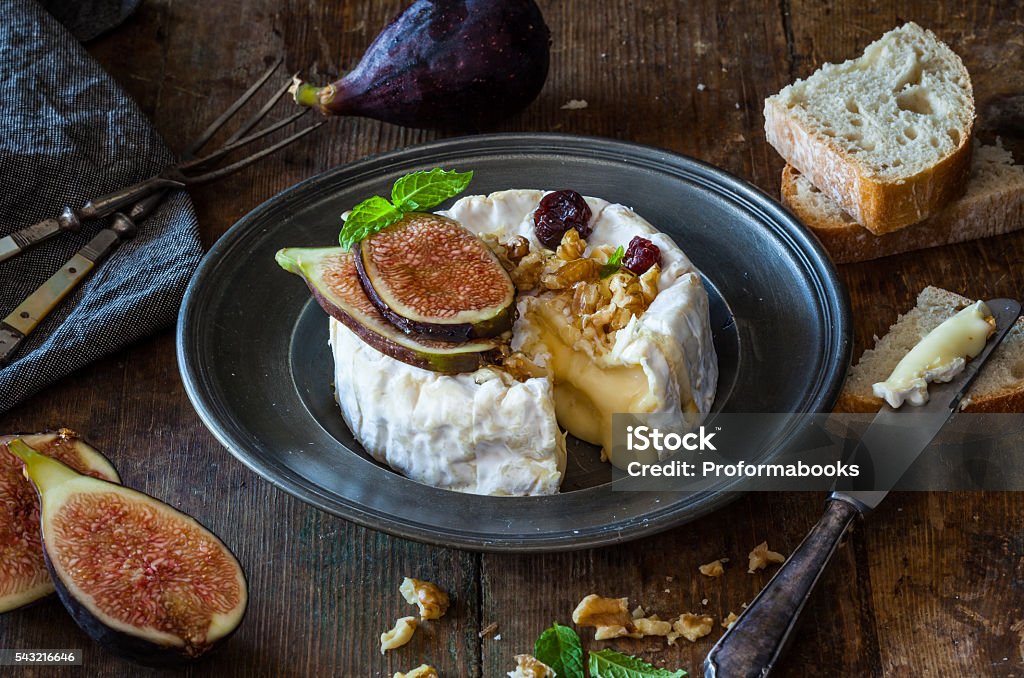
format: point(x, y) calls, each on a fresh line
point(528, 666)
point(692, 626)
point(421, 671)
point(712, 569)
point(761, 556)
point(398, 636)
point(729, 621)
point(571, 247)
point(432, 601)
point(560, 275)
point(597, 611)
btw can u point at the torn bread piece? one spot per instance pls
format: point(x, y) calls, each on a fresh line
point(887, 135)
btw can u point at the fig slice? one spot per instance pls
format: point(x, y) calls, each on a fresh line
point(23, 575)
point(139, 577)
point(429, 275)
point(330, 273)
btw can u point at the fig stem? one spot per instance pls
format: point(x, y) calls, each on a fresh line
point(305, 94)
point(40, 469)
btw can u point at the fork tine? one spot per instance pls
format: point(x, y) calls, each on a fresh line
point(260, 114)
point(241, 101)
point(224, 150)
point(223, 171)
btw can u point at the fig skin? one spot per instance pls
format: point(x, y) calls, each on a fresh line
point(50, 476)
point(360, 316)
point(445, 64)
point(65, 445)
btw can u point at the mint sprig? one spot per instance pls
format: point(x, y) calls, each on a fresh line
point(614, 262)
point(413, 192)
point(612, 664)
point(559, 647)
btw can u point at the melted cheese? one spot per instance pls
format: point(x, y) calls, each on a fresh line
point(589, 389)
point(940, 356)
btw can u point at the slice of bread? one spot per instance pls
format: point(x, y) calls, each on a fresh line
point(887, 136)
point(992, 205)
point(998, 388)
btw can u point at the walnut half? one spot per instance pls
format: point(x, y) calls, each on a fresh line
point(432, 601)
point(421, 671)
point(692, 626)
point(608, 615)
point(528, 666)
point(398, 636)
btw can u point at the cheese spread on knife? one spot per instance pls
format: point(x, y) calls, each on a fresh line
point(465, 342)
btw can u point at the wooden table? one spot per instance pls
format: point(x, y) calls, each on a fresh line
point(931, 585)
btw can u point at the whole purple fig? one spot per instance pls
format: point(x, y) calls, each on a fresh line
point(444, 63)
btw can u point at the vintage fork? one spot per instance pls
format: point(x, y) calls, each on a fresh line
point(189, 171)
point(142, 198)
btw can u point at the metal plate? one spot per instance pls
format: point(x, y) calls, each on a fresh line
point(252, 345)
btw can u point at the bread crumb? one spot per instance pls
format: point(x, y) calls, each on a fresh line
point(431, 601)
point(669, 579)
point(488, 630)
point(729, 621)
point(398, 636)
point(712, 569)
point(704, 601)
point(574, 104)
point(761, 556)
point(692, 626)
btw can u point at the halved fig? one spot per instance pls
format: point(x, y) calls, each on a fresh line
point(330, 273)
point(141, 578)
point(23, 575)
point(429, 275)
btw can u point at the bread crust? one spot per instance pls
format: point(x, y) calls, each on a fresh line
point(881, 206)
point(960, 221)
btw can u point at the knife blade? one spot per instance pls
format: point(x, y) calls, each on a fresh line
point(892, 443)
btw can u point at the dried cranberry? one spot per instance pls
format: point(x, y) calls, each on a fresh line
point(641, 255)
point(557, 213)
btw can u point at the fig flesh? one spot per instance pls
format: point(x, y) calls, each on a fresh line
point(429, 275)
point(445, 64)
point(141, 578)
point(23, 575)
point(330, 273)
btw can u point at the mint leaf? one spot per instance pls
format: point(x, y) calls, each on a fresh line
point(614, 262)
point(423, 190)
point(559, 647)
point(416, 191)
point(612, 664)
point(370, 216)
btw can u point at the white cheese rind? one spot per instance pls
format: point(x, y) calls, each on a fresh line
point(482, 432)
point(416, 421)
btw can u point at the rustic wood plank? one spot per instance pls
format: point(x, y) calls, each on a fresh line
point(927, 586)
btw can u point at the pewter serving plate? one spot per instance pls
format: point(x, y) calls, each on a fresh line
point(253, 353)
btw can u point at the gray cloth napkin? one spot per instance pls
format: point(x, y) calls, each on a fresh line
point(69, 133)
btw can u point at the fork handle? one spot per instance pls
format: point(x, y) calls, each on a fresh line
point(112, 202)
point(756, 640)
point(36, 306)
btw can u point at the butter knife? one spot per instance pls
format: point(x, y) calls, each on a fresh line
point(891, 444)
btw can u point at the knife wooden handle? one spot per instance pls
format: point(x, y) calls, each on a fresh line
point(756, 640)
